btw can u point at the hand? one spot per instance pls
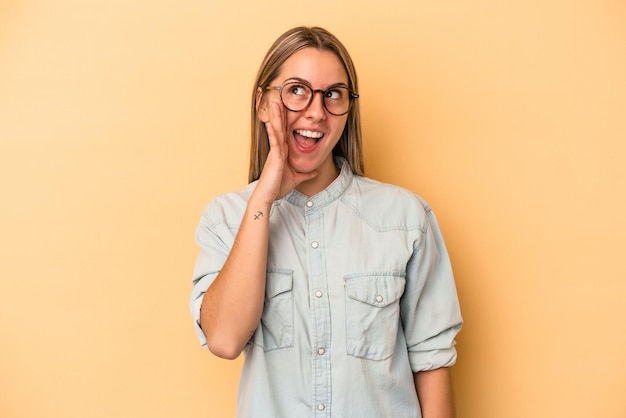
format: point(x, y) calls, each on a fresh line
point(278, 177)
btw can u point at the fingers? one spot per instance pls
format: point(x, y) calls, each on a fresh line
point(271, 135)
point(276, 124)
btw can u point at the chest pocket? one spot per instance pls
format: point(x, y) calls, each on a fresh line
point(277, 318)
point(373, 314)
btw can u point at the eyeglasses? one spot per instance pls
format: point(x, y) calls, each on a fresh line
point(297, 96)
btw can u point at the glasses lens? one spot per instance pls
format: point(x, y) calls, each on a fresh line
point(296, 96)
point(337, 100)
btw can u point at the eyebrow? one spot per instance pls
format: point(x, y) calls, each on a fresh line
point(303, 81)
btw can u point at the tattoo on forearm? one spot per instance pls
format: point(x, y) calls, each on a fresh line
point(258, 215)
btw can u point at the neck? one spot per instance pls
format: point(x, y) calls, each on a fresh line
point(320, 182)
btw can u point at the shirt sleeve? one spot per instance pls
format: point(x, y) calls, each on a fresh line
point(430, 310)
point(215, 241)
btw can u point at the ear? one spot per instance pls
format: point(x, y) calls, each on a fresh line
point(262, 111)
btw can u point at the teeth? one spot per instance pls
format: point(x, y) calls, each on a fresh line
point(309, 134)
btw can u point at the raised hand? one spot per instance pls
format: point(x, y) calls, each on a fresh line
point(278, 177)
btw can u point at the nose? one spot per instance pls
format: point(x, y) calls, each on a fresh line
point(316, 110)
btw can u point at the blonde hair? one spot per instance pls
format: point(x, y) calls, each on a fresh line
point(350, 145)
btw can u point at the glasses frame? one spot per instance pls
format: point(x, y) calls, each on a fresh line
point(351, 95)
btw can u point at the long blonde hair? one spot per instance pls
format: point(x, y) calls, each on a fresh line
point(350, 145)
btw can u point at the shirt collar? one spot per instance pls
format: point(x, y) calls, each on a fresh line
point(329, 194)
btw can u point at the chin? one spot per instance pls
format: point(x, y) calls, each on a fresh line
point(303, 165)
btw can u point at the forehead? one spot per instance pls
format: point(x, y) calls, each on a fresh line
point(321, 68)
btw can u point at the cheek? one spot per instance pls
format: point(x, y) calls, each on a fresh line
point(339, 126)
point(290, 119)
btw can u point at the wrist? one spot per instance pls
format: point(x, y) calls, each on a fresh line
point(258, 208)
point(260, 201)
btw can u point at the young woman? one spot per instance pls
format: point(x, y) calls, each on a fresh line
point(337, 288)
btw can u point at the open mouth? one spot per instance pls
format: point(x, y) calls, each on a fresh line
point(307, 139)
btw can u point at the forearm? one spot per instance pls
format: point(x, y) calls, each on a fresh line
point(232, 306)
point(434, 391)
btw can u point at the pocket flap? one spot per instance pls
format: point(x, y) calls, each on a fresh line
point(278, 282)
point(375, 290)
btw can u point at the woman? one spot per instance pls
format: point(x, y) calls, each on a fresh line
point(338, 289)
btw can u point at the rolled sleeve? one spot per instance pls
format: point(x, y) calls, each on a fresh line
point(431, 315)
point(199, 289)
point(215, 240)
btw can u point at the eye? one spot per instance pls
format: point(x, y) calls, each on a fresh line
point(336, 93)
point(297, 89)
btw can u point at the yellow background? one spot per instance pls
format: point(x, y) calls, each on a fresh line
point(120, 120)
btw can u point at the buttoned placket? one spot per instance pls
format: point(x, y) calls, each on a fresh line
point(320, 309)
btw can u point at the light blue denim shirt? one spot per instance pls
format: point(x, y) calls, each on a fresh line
point(359, 295)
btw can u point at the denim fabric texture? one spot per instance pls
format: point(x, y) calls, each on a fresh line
point(359, 295)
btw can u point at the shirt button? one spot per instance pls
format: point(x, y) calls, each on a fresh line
point(320, 407)
point(315, 244)
point(309, 204)
point(379, 298)
point(321, 351)
point(318, 294)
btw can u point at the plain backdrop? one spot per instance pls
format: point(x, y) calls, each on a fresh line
point(120, 120)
